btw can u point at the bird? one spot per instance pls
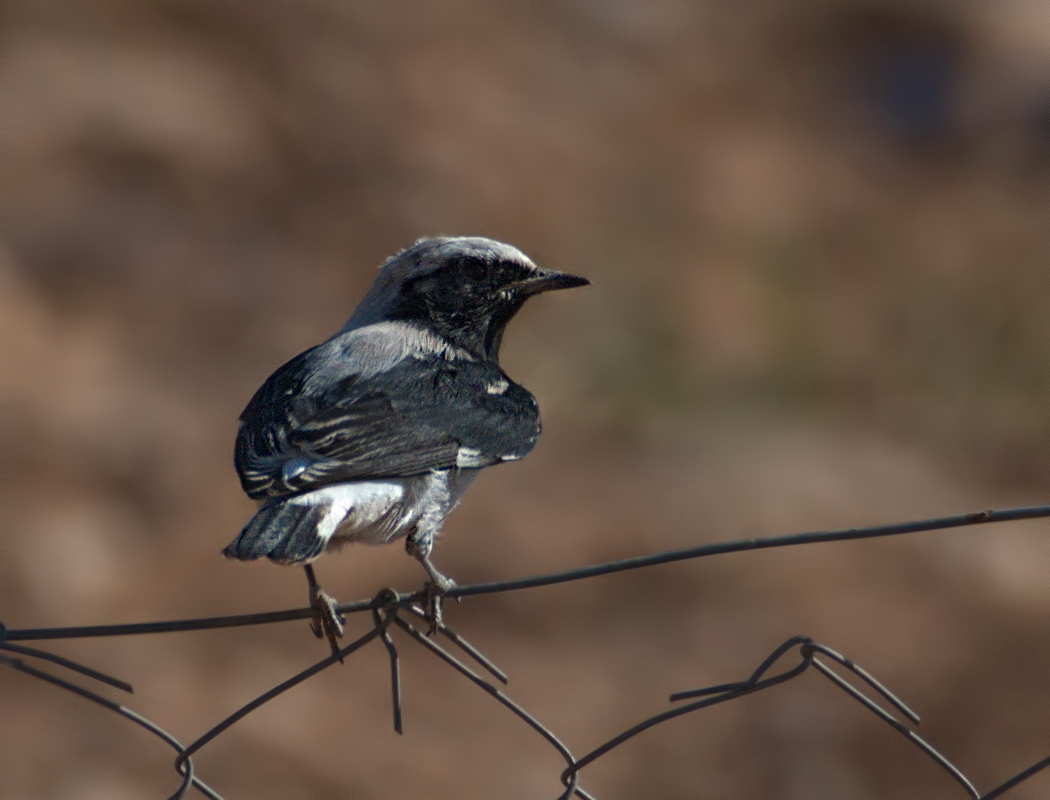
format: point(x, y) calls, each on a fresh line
point(374, 434)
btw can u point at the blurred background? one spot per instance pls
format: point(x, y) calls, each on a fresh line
point(817, 233)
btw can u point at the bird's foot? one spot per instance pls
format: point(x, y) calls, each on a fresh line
point(327, 622)
point(434, 592)
point(436, 588)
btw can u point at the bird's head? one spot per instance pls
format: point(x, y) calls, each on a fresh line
point(465, 289)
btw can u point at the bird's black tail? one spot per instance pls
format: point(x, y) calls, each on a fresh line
point(284, 532)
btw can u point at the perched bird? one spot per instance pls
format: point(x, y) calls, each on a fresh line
point(375, 434)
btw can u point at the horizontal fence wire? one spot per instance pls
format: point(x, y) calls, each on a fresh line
point(413, 616)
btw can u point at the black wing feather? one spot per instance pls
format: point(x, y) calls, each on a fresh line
point(406, 420)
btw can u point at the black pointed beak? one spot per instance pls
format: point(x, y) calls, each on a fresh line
point(547, 280)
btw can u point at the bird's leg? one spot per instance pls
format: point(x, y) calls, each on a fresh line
point(419, 547)
point(326, 622)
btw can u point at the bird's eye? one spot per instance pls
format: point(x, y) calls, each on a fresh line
point(474, 268)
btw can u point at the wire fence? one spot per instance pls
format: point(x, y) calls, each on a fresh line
point(392, 611)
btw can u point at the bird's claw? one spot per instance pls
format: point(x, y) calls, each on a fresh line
point(326, 622)
point(434, 595)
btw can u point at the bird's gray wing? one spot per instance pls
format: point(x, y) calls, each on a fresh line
point(328, 416)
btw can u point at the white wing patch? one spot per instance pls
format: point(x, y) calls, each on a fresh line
point(468, 457)
point(498, 387)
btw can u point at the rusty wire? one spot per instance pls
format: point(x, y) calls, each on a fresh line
point(390, 609)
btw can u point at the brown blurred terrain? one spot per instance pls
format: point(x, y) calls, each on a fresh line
point(817, 234)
